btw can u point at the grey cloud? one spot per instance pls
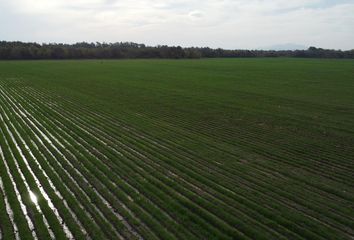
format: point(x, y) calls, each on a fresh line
point(215, 23)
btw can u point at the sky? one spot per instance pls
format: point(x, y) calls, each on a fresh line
point(229, 24)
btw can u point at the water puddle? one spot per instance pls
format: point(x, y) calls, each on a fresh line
point(25, 181)
point(18, 195)
point(33, 197)
point(27, 115)
point(9, 211)
point(70, 164)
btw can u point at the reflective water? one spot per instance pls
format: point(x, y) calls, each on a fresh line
point(33, 197)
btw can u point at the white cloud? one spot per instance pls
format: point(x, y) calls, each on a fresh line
point(215, 23)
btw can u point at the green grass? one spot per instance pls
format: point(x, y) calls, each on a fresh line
point(180, 149)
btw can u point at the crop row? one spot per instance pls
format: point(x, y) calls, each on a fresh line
point(68, 171)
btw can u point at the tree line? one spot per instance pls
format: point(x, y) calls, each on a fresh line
point(122, 50)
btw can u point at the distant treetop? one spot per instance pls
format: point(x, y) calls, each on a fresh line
point(121, 50)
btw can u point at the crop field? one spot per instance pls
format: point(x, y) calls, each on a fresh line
point(177, 149)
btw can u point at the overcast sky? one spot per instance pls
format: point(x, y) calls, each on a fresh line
point(214, 23)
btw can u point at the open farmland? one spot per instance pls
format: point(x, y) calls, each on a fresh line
point(187, 149)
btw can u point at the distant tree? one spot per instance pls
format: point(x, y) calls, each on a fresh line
point(97, 50)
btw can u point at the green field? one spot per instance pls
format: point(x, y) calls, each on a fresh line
point(177, 149)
